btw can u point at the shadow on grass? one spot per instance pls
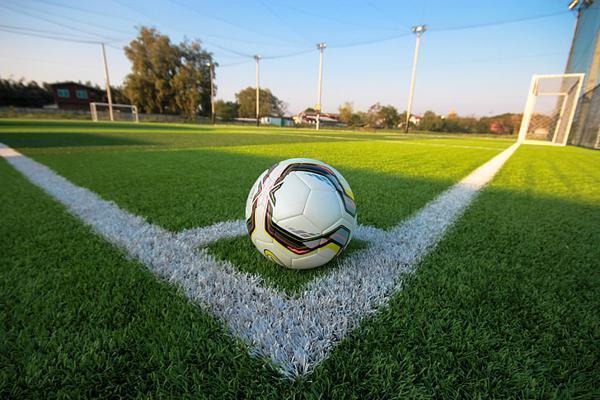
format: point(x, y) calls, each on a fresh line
point(507, 304)
point(91, 138)
point(243, 255)
point(42, 124)
point(188, 189)
point(67, 139)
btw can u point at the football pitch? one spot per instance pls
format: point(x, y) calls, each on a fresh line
point(504, 305)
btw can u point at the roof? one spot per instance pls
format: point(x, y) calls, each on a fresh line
point(76, 84)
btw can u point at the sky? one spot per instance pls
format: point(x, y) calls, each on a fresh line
point(476, 58)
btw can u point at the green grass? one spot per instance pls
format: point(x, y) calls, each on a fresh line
point(190, 176)
point(506, 306)
point(246, 258)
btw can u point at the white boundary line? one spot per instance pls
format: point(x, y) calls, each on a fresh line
point(294, 332)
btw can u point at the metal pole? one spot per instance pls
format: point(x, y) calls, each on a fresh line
point(321, 46)
point(211, 71)
point(257, 58)
point(108, 94)
point(418, 30)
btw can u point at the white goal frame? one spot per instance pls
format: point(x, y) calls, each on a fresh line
point(94, 110)
point(569, 114)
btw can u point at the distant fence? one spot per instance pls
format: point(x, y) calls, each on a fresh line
point(23, 112)
point(586, 124)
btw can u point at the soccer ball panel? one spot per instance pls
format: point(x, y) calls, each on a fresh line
point(323, 209)
point(315, 181)
point(300, 226)
point(309, 261)
point(290, 198)
point(253, 192)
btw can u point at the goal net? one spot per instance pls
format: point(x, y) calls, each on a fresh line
point(550, 109)
point(120, 112)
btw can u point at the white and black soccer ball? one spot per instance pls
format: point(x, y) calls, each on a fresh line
point(301, 213)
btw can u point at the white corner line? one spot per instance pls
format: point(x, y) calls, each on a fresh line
point(294, 332)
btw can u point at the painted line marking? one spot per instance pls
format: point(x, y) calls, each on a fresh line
point(294, 332)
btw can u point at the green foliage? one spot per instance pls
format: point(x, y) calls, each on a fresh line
point(23, 94)
point(270, 105)
point(379, 116)
point(226, 110)
point(500, 124)
point(168, 78)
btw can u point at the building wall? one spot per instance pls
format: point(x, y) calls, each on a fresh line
point(585, 57)
point(72, 101)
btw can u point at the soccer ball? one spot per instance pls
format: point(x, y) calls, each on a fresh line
point(300, 213)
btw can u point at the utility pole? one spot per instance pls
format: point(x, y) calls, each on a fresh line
point(257, 58)
point(211, 71)
point(321, 46)
point(108, 94)
point(419, 29)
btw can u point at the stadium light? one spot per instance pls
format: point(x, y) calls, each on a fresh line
point(418, 29)
point(211, 69)
point(257, 58)
point(573, 4)
point(108, 93)
point(321, 46)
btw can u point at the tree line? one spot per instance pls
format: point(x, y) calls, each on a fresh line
point(175, 78)
point(388, 117)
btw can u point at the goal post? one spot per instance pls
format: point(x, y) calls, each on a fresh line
point(550, 109)
point(121, 112)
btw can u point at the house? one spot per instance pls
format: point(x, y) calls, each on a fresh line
point(310, 117)
point(415, 119)
point(277, 121)
point(76, 96)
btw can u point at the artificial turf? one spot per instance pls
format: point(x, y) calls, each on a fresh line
point(242, 253)
point(505, 307)
point(188, 178)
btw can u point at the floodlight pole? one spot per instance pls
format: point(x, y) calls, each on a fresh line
point(211, 71)
point(321, 46)
point(108, 94)
point(257, 58)
point(419, 29)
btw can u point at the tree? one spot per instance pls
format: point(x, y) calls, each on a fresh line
point(24, 94)
point(226, 110)
point(431, 122)
point(165, 77)
point(270, 105)
point(192, 80)
point(372, 116)
point(379, 116)
point(389, 117)
point(346, 110)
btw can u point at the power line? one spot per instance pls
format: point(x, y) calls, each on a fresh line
point(332, 19)
point(78, 30)
point(298, 53)
point(51, 37)
point(26, 29)
point(70, 7)
point(383, 13)
point(224, 48)
point(39, 60)
point(366, 42)
point(280, 19)
point(194, 10)
point(511, 21)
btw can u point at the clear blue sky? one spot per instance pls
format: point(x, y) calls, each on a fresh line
point(482, 70)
